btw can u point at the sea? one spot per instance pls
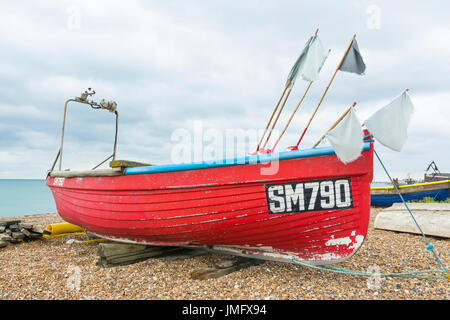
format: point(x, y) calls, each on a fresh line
point(20, 197)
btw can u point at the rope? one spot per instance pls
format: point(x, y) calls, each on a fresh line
point(94, 240)
point(63, 234)
point(413, 274)
point(435, 197)
point(430, 247)
point(76, 234)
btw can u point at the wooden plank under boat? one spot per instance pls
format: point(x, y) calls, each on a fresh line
point(386, 196)
point(313, 208)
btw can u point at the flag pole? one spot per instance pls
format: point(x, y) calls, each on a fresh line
point(273, 113)
point(288, 84)
point(335, 124)
point(276, 119)
point(323, 96)
point(293, 113)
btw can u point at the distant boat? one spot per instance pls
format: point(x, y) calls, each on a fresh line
point(436, 175)
point(386, 196)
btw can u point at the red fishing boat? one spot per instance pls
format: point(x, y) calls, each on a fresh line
point(313, 208)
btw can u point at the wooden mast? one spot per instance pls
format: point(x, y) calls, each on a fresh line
point(335, 124)
point(273, 113)
point(323, 96)
point(288, 85)
point(292, 115)
point(276, 119)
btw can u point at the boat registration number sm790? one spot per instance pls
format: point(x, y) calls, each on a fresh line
point(309, 196)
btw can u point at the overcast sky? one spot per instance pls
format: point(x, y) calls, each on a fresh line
point(170, 64)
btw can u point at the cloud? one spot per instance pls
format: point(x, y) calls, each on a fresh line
point(169, 64)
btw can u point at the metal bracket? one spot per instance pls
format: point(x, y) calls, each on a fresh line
point(83, 98)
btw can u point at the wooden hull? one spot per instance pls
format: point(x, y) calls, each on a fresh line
point(312, 208)
point(386, 196)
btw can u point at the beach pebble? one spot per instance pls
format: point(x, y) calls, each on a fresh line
point(7, 223)
point(25, 232)
point(50, 269)
point(5, 237)
point(37, 230)
point(71, 241)
point(18, 235)
point(14, 228)
point(25, 225)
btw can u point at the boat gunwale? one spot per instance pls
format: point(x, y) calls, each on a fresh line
point(411, 185)
point(247, 160)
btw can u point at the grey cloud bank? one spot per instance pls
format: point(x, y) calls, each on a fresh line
point(168, 64)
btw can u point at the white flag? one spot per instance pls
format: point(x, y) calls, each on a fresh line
point(309, 63)
point(347, 138)
point(389, 125)
point(314, 61)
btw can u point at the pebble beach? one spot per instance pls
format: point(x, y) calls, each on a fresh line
point(63, 269)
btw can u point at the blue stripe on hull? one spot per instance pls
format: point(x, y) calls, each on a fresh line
point(386, 200)
point(261, 158)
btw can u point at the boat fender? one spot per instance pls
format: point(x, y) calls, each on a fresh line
point(62, 228)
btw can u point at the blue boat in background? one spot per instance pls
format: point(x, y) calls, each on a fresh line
point(386, 196)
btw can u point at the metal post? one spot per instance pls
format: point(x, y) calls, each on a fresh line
point(83, 99)
point(62, 134)
point(115, 135)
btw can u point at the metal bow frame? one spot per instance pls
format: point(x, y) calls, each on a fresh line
point(84, 99)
